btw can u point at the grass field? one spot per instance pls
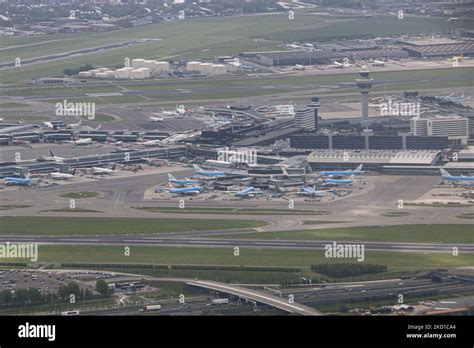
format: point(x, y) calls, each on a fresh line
point(205, 39)
point(248, 257)
point(13, 105)
point(84, 194)
point(466, 216)
point(100, 118)
point(397, 233)
point(116, 226)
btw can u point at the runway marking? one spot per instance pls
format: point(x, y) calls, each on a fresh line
point(275, 243)
point(207, 242)
point(79, 240)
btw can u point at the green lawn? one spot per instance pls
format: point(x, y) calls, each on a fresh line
point(117, 226)
point(84, 194)
point(100, 118)
point(398, 233)
point(248, 257)
point(13, 105)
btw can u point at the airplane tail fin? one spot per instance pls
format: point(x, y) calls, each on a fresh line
point(74, 171)
point(171, 177)
point(51, 153)
point(352, 177)
point(114, 166)
point(197, 168)
point(285, 173)
point(444, 172)
point(359, 168)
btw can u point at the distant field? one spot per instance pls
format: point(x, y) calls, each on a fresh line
point(248, 257)
point(206, 38)
point(13, 105)
point(398, 233)
point(370, 27)
point(117, 226)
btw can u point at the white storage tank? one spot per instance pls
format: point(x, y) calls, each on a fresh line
point(193, 66)
point(102, 75)
point(162, 67)
point(138, 63)
point(122, 74)
point(141, 73)
point(85, 74)
point(206, 68)
point(94, 72)
point(219, 69)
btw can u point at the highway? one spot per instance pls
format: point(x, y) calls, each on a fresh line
point(274, 301)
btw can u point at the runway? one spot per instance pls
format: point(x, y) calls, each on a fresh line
point(232, 243)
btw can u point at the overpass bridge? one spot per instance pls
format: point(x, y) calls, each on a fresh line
point(257, 296)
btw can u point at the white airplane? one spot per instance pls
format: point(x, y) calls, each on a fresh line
point(62, 176)
point(80, 142)
point(52, 157)
point(156, 119)
point(151, 143)
point(74, 125)
point(344, 64)
point(246, 192)
point(379, 63)
point(311, 192)
point(100, 170)
point(169, 113)
point(2, 119)
point(453, 98)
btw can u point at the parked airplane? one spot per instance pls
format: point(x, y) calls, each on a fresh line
point(52, 157)
point(79, 142)
point(453, 98)
point(246, 192)
point(183, 190)
point(173, 180)
point(151, 143)
point(198, 170)
point(100, 170)
point(356, 171)
point(446, 176)
point(74, 125)
point(156, 119)
point(312, 192)
point(24, 143)
point(344, 64)
point(62, 176)
point(335, 182)
point(14, 180)
point(379, 63)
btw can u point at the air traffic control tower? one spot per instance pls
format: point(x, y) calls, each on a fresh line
point(364, 83)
